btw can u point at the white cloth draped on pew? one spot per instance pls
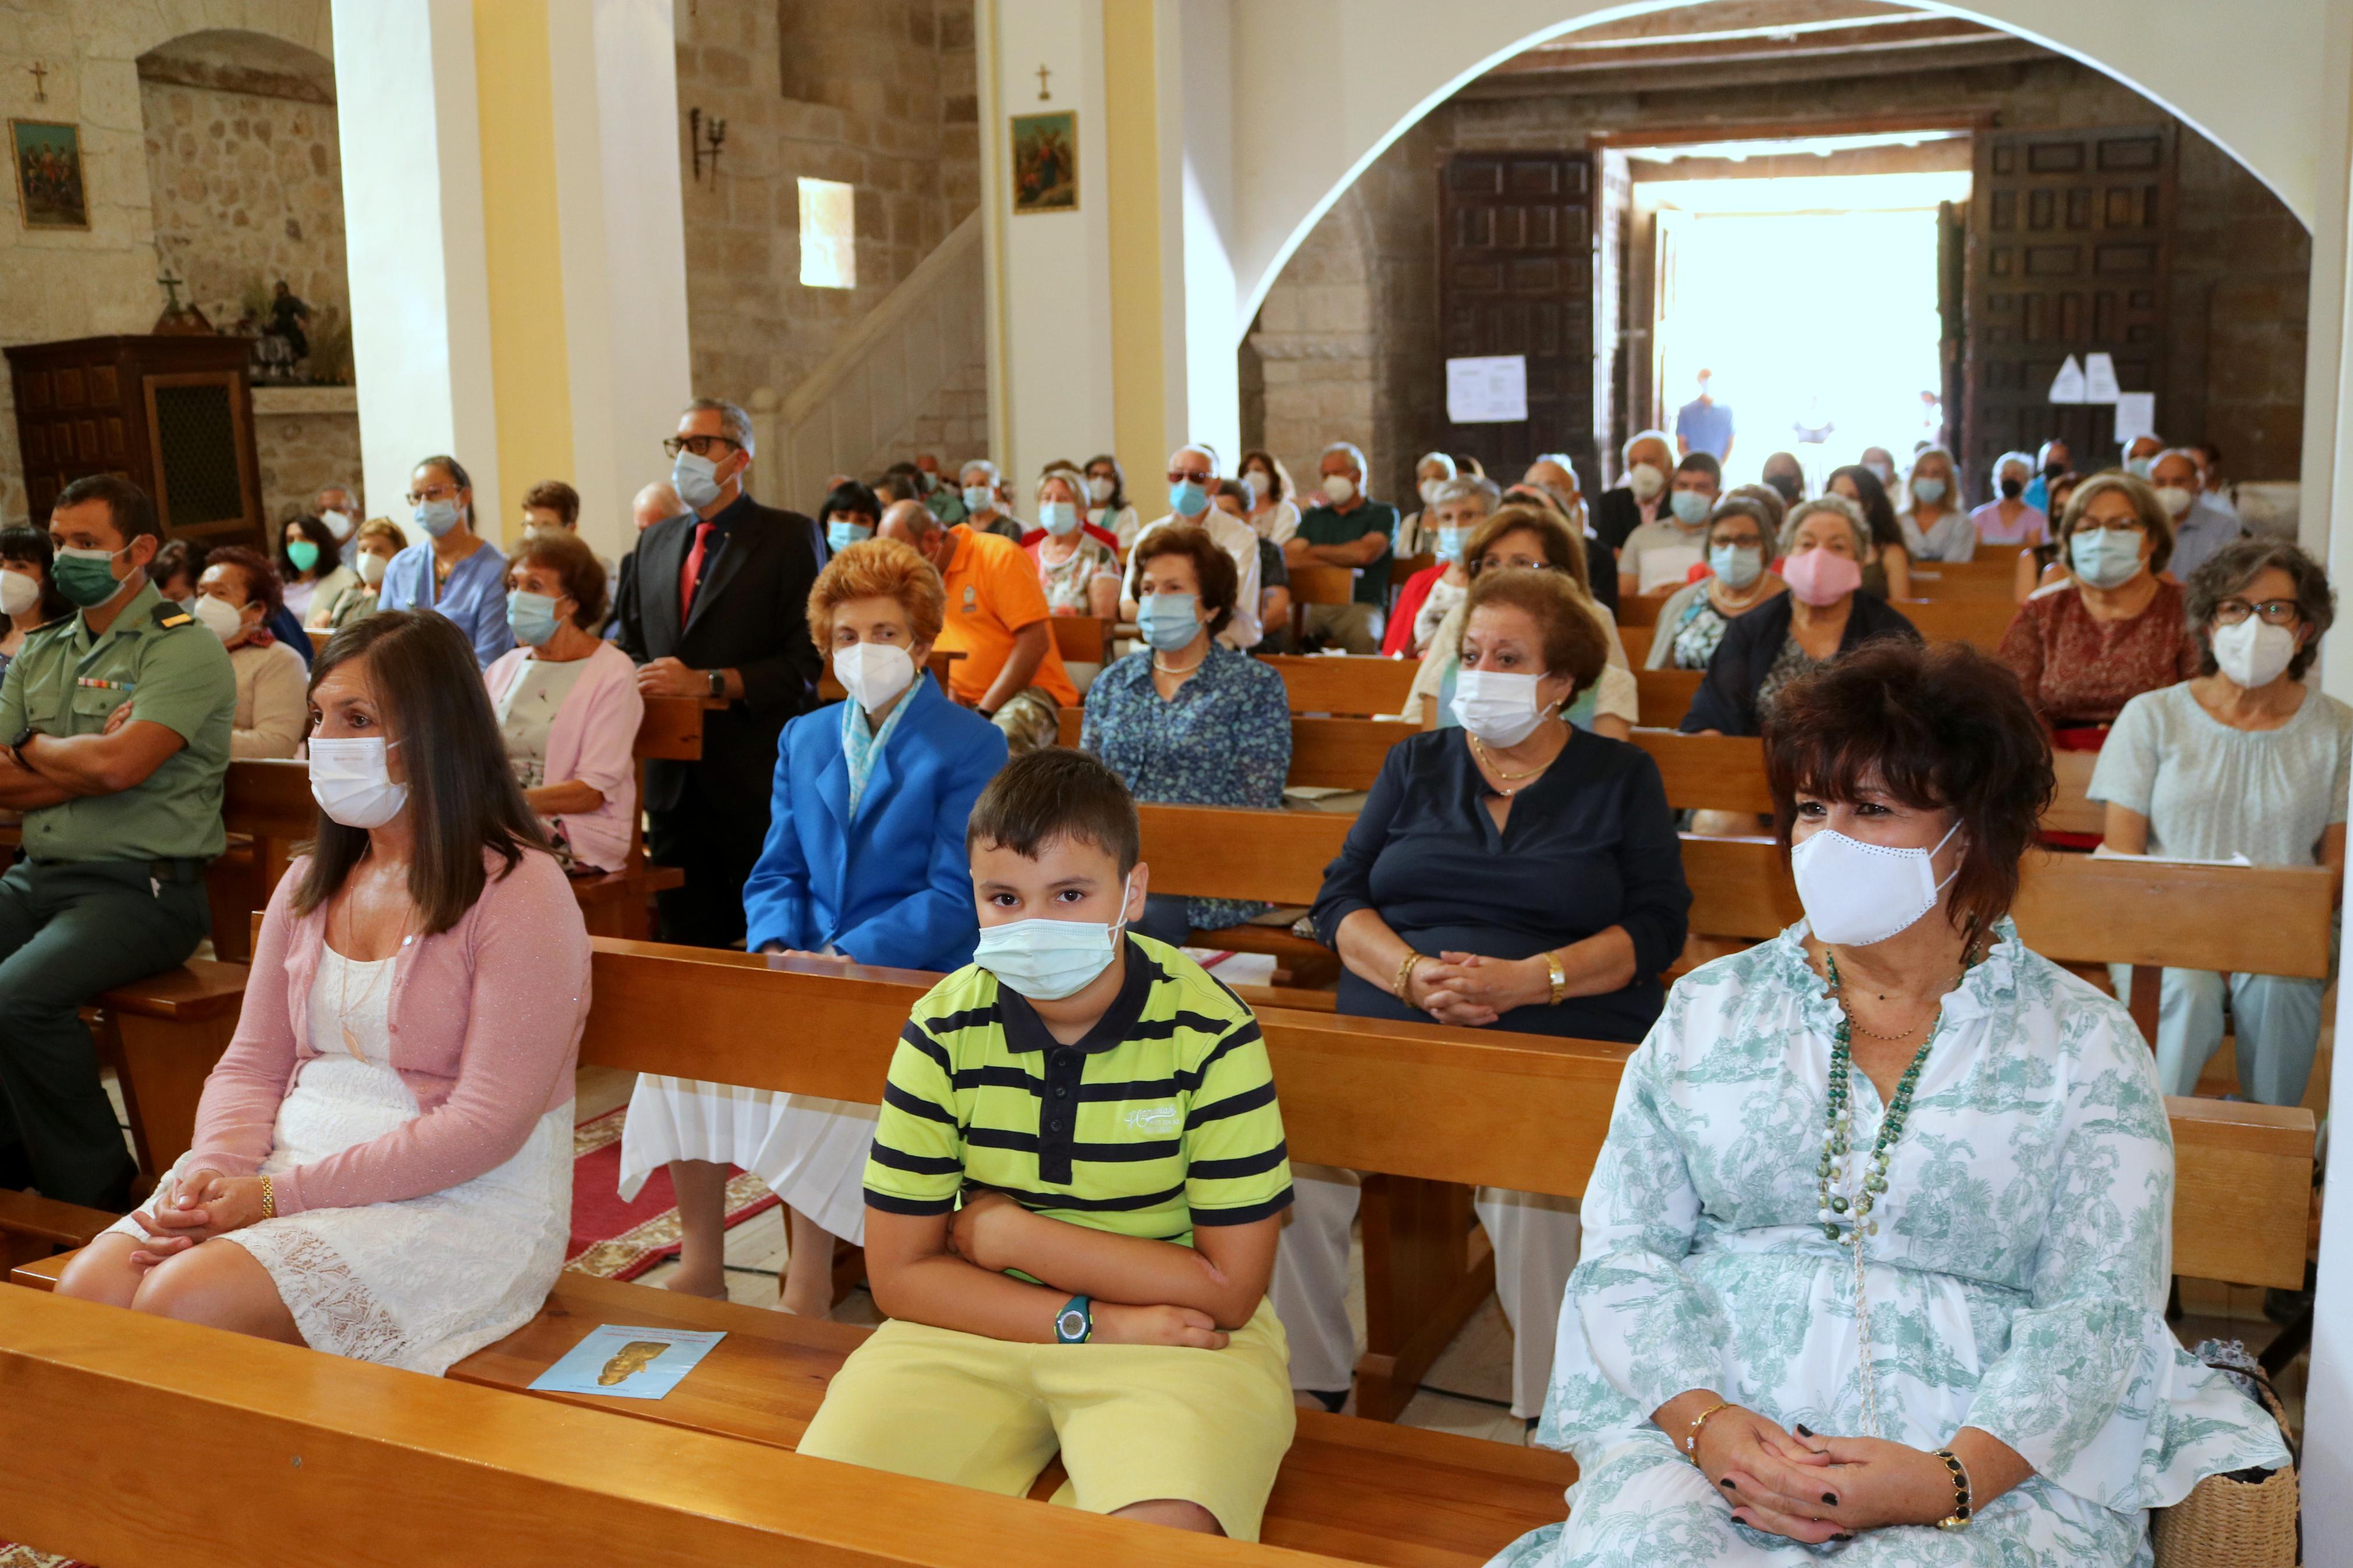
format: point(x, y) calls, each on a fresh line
point(810, 1152)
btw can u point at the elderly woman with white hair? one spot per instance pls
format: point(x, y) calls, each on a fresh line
point(1650, 462)
point(2007, 519)
point(1456, 508)
point(1079, 571)
point(1431, 471)
point(985, 495)
point(1825, 543)
point(1347, 529)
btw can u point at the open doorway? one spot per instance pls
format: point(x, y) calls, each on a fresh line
point(1807, 276)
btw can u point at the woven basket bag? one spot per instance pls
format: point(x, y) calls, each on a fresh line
point(2224, 1523)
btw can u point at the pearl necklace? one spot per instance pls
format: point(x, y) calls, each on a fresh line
point(1845, 1201)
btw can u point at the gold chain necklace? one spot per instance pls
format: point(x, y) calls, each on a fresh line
point(1487, 761)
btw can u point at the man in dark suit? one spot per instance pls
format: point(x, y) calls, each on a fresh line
point(716, 606)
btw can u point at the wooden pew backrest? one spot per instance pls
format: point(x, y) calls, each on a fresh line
point(1082, 639)
point(1709, 772)
point(1345, 684)
point(1318, 584)
point(1663, 696)
point(1215, 852)
point(1980, 622)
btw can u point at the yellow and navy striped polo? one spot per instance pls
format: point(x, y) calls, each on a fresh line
point(1161, 1118)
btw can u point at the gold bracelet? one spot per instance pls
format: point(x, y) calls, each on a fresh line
point(1559, 976)
point(269, 1200)
point(1404, 976)
point(1691, 1432)
point(1960, 1517)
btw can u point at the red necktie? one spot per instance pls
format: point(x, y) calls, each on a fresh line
point(693, 575)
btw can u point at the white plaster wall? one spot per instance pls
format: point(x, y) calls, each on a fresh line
point(622, 248)
point(1198, 326)
point(1049, 273)
point(413, 228)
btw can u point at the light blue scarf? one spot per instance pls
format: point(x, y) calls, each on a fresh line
point(861, 743)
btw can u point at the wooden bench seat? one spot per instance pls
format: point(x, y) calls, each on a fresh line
point(33, 1229)
point(168, 1030)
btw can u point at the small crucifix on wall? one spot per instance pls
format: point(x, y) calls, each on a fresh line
point(40, 75)
point(1042, 94)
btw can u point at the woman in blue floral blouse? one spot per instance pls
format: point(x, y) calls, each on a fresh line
point(1185, 721)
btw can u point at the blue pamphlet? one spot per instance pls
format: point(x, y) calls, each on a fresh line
point(627, 1362)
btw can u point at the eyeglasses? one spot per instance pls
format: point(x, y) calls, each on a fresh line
point(432, 492)
point(700, 446)
point(2114, 525)
point(1199, 476)
point(2274, 611)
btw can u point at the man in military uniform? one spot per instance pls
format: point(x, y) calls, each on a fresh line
point(119, 822)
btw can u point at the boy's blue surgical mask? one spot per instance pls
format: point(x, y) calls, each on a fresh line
point(1046, 960)
point(2106, 557)
point(1738, 565)
point(1167, 621)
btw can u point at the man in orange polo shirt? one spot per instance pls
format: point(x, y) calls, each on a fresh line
point(1011, 673)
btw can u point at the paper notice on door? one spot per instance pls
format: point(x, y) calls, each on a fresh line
point(2100, 379)
point(2136, 415)
point(1490, 390)
point(2067, 386)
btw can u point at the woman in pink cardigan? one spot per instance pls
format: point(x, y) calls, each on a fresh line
point(567, 703)
point(383, 1160)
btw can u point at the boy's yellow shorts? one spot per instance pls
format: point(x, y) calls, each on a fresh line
point(1134, 1423)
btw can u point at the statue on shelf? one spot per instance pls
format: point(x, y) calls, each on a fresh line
point(287, 316)
point(281, 347)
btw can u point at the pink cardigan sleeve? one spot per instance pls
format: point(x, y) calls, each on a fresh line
point(238, 1112)
point(528, 953)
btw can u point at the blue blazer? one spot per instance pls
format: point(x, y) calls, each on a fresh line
point(895, 887)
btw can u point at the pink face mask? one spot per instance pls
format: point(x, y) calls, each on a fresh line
point(1818, 577)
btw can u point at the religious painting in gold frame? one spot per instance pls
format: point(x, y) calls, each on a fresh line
point(50, 190)
point(1046, 162)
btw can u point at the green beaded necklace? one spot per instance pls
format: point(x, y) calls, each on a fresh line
point(1836, 1170)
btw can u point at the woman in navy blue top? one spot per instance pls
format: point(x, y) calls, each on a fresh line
point(454, 572)
point(1515, 873)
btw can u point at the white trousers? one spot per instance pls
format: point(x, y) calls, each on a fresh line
point(1536, 1239)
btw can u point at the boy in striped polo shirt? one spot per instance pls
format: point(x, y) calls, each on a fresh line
point(1073, 1196)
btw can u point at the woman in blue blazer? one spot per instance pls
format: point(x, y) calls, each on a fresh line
point(865, 863)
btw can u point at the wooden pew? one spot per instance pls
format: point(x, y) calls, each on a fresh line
point(1343, 684)
point(1316, 584)
point(1636, 641)
point(1663, 696)
point(2071, 810)
point(1980, 622)
point(1641, 610)
point(1991, 576)
point(2077, 908)
point(1328, 754)
point(314, 1459)
point(1082, 639)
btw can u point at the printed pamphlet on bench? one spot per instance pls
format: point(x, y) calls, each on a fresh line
point(628, 1362)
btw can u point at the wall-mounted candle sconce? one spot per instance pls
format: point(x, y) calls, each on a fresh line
point(705, 140)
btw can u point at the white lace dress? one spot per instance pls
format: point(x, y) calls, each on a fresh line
point(422, 1283)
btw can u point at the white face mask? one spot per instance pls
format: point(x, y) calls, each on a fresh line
point(1099, 488)
point(1856, 894)
point(20, 592)
point(1499, 707)
point(370, 568)
point(1645, 480)
point(352, 782)
point(1046, 960)
point(2254, 653)
point(1339, 488)
point(1429, 491)
point(874, 673)
point(1257, 485)
point(2176, 498)
point(340, 524)
point(220, 618)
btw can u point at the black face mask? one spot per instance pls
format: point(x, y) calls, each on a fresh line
point(1789, 485)
point(2011, 488)
point(2053, 470)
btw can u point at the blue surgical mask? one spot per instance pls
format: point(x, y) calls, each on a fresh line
point(2106, 558)
point(696, 481)
point(437, 517)
point(2139, 466)
point(1738, 565)
point(1058, 518)
point(844, 532)
point(532, 617)
point(978, 499)
point(1929, 491)
point(1046, 960)
point(1167, 621)
point(1187, 499)
point(1451, 541)
point(1691, 508)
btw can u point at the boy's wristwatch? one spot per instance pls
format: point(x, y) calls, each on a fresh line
point(1075, 1323)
